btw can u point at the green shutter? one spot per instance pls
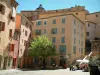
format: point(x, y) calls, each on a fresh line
point(54, 21)
point(63, 39)
point(63, 20)
point(74, 49)
point(74, 22)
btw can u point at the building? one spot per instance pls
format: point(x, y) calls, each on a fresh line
point(94, 17)
point(90, 30)
point(67, 34)
point(90, 22)
point(25, 38)
point(7, 29)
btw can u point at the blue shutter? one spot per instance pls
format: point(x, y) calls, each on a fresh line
point(63, 20)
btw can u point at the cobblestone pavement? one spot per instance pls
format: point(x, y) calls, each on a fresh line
point(43, 72)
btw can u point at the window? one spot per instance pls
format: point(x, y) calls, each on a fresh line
point(36, 60)
point(2, 26)
point(38, 32)
point(74, 40)
point(11, 47)
point(81, 35)
point(54, 21)
point(25, 33)
point(44, 31)
point(74, 49)
point(87, 33)
point(25, 43)
point(10, 33)
point(63, 30)
point(53, 39)
point(2, 9)
point(45, 22)
point(81, 50)
point(74, 31)
point(62, 48)
point(54, 31)
point(38, 23)
point(81, 43)
point(21, 51)
point(52, 61)
point(62, 39)
point(74, 22)
point(63, 20)
point(88, 25)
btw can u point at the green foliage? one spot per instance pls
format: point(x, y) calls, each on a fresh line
point(94, 61)
point(41, 47)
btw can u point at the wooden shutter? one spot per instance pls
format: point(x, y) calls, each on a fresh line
point(0, 27)
point(11, 47)
point(3, 26)
point(0, 7)
point(10, 33)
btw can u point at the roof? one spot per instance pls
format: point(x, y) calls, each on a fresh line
point(62, 15)
point(93, 13)
point(91, 22)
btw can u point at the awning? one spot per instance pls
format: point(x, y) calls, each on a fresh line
point(82, 61)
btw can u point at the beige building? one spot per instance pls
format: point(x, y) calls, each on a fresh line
point(95, 17)
point(7, 29)
point(89, 21)
point(67, 34)
point(25, 38)
point(90, 30)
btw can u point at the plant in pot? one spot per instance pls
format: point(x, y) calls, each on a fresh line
point(94, 65)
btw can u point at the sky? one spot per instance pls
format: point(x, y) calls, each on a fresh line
point(90, 5)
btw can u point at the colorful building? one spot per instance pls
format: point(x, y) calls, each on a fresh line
point(25, 39)
point(67, 34)
point(7, 29)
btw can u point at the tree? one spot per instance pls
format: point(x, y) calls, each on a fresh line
point(41, 47)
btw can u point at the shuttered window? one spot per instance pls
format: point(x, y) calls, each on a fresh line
point(10, 33)
point(11, 47)
point(2, 26)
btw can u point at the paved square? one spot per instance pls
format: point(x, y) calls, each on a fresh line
point(43, 72)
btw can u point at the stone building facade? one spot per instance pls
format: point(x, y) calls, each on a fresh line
point(7, 29)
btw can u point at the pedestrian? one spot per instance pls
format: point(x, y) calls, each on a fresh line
point(70, 67)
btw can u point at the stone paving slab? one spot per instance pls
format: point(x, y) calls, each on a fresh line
point(43, 72)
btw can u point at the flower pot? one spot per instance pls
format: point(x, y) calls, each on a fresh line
point(94, 70)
